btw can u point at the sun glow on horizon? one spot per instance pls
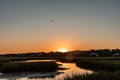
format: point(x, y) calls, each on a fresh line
point(63, 50)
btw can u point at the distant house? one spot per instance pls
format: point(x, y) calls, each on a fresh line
point(94, 54)
point(116, 54)
point(40, 54)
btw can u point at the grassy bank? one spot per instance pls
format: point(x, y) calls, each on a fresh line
point(96, 76)
point(63, 59)
point(9, 67)
point(107, 65)
point(7, 59)
point(103, 70)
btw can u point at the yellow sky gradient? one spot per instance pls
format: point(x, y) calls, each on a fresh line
point(49, 25)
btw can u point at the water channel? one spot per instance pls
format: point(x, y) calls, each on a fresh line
point(71, 69)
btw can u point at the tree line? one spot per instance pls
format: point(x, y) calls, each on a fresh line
point(77, 53)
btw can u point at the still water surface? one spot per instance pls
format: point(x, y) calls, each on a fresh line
point(72, 69)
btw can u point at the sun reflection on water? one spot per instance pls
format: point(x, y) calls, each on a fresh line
point(71, 69)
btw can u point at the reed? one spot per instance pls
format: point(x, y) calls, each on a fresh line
point(96, 76)
point(103, 70)
point(9, 67)
point(107, 65)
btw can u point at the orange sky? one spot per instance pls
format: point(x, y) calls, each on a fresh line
point(49, 25)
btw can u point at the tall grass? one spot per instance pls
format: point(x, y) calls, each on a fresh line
point(109, 65)
point(104, 70)
point(96, 76)
point(9, 67)
point(8, 59)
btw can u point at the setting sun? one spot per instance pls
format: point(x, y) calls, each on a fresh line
point(63, 50)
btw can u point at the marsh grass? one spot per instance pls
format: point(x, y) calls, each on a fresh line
point(103, 70)
point(7, 59)
point(9, 67)
point(96, 76)
point(10, 59)
point(107, 65)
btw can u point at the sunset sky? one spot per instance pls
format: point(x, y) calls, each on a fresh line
point(49, 25)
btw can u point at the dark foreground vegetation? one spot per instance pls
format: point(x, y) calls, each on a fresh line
point(10, 67)
point(103, 70)
point(98, 65)
point(96, 76)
